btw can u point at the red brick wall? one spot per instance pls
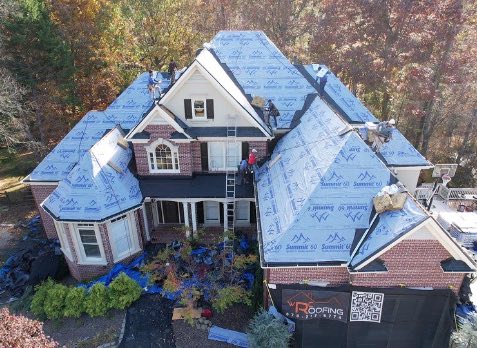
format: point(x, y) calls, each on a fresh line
point(412, 263)
point(40, 192)
point(333, 275)
point(164, 132)
point(196, 158)
point(85, 272)
point(260, 146)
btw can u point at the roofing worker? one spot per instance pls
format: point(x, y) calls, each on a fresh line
point(243, 169)
point(384, 132)
point(152, 85)
point(172, 71)
point(252, 161)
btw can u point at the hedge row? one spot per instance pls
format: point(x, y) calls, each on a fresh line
point(54, 301)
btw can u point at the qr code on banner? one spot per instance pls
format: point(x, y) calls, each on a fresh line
point(366, 306)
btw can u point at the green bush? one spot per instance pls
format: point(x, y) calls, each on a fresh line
point(75, 302)
point(123, 291)
point(226, 297)
point(97, 303)
point(55, 301)
point(38, 302)
point(264, 331)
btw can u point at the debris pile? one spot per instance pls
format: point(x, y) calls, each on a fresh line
point(389, 198)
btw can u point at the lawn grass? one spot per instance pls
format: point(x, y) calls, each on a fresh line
point(14, 167)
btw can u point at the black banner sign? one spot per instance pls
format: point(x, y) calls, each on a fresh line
point(310, 304)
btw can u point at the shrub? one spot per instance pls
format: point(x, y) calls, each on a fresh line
point(164, 255)
point(123, 291)
point(172, 283)
point(19, 331)
point(466, 334)
point(230, 295)
point(241, 262)
point(264, 330)
point(55, 301)
point(38, 302)
point(97, 302)
point(75, 302)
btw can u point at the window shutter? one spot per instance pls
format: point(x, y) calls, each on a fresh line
point(188, 108)
point(200, 212)
point(204, 157)
point(253, 213)
point(209, 105)
point(221, 209)
point(245, 150)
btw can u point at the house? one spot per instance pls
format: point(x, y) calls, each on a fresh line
point(139, 168)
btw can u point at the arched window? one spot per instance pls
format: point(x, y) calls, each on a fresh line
point(163, 157)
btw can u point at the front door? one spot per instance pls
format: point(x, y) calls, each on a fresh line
point(170, 212)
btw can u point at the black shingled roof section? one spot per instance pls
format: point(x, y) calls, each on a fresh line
point(197, 186)
point(374, 266)
point(142, 135)
point(178, 135)
point(453, 265)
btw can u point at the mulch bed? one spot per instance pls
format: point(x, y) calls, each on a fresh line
point(148, 323)
point(235, 318)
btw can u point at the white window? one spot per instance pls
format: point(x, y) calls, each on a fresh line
point(123, 236)
point(220, 159)
point(242, 212)
point(199, 109)
point(163, 157)
point(89, 244)
point(62, 236)
point(211, 213)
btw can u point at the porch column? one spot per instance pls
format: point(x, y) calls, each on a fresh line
point(194, 218)
point(155, 217)
point(225, 216)
point(146, 224)
point(186, 218)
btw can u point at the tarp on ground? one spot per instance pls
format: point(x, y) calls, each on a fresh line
point(388, 227)
point(317, 190)
point(236, 338)
point(127, 110)
point(100, 186)
point(262, 70)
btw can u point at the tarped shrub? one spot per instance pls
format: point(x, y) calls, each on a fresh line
point(124, 291)
point(265, 330)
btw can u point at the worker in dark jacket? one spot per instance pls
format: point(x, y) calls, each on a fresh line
point(172, 71)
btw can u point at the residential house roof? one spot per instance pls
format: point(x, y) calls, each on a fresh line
point(100, 186)
point(317, 190)
point(260, 69)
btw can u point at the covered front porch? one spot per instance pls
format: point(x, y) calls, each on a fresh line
point(199, 218)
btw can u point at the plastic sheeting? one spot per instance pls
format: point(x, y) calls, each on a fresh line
point(262, 70)
point(400, 152)
point(391, 226)
point(99, 187)
point(317, 190)
point(236, 338)
point(127, 110)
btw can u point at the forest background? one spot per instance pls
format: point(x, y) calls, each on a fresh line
point(411, 60)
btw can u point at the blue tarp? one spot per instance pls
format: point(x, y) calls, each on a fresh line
point(262, 70)
point(318, 191)
point(391, 226)
point(229, 336)
point(100, 186)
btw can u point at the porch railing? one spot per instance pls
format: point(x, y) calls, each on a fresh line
point(425, 192)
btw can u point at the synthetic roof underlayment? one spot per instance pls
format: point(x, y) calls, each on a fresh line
point(262, 70)
point(317, 190)
point(390, 226)
point(99, 187)
point(127, 110)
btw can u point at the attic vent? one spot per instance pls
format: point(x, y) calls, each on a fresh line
point(114, 166)
point(123, 143)
point(274, 160)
